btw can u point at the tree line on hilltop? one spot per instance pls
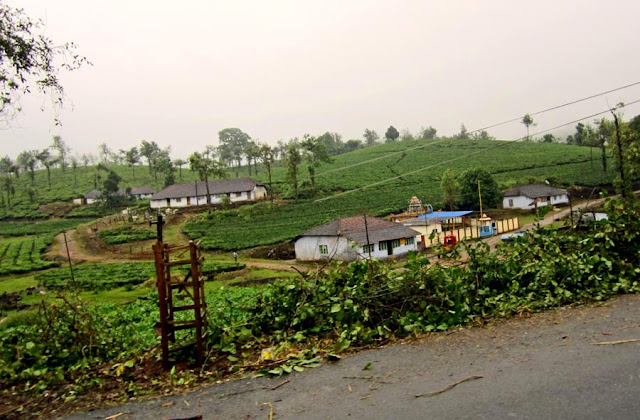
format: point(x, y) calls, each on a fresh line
point(237, 149)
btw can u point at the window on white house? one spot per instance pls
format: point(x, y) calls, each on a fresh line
point(511, 202)
point(324, 250)
point(366, 249)
point(237, 194)
point(382, 246)
point(410, 241)
point(395, 243)
point(178, 200)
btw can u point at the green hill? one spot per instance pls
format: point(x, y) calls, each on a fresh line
point(66, 186)
point(424, 161)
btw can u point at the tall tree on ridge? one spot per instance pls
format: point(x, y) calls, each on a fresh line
point(527, 120)
point(206, 167)
point(44, 156)
point(233, 144)
point(149, 150)
point(132, 157)
point(267, 156)
point(370, 137)
point(63, 150)
point(293, 160)
point(27, 160)
point(392, 134)
point(180, 163)
point(315, 153)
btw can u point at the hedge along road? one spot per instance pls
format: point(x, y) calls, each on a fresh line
point(572, 362)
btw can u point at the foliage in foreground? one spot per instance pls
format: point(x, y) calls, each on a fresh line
point(348, 305)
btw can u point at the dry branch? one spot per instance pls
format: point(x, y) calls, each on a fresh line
point(606, 343)
point(453, 385)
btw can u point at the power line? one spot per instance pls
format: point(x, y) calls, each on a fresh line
point(553, 108)
point(479, 129)
point(504, 143)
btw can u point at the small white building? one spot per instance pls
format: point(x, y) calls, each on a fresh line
point(138, 193)
point(186, 195)
point(351, 238)
point(529, 197)
point(135, 192)
point(92, 196)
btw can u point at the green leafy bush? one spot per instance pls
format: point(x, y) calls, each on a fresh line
point(22, 255)
point(126, 234)
point(53, 226)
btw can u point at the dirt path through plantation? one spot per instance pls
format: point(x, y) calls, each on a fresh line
point(77, 254)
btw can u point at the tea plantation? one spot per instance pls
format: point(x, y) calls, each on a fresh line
point(383, 178)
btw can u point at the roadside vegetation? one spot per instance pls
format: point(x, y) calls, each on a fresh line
point(301, 320)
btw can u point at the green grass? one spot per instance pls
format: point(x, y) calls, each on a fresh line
point(510, 163)
point(16, 283)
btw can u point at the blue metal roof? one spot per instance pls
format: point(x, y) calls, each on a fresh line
point(445, 214)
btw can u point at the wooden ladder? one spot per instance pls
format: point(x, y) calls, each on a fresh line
point(192, 286)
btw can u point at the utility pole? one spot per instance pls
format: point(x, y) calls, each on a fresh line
point(366, 231)
point(625, 193)
point(480, 197)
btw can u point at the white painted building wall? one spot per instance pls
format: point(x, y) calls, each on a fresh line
point(339, 248)
point(526, 203)
point(158, 204)
point(258, 193)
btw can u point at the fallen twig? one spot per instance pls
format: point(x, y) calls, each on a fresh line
point(115, 416)
point(280, 384)
point(270, 409)
point(605, 343)
point(453, 385)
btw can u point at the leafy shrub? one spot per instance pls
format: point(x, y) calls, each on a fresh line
point(22, 255)
point(53, 226)
point(126, 234)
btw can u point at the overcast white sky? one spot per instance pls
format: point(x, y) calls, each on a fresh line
point(178, 72)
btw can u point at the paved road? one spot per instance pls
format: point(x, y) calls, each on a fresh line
point(545, 366)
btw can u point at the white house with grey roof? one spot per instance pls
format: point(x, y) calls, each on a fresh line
point(529, 197)
point(350, 239)
point(134, 192)
point(195, 194)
